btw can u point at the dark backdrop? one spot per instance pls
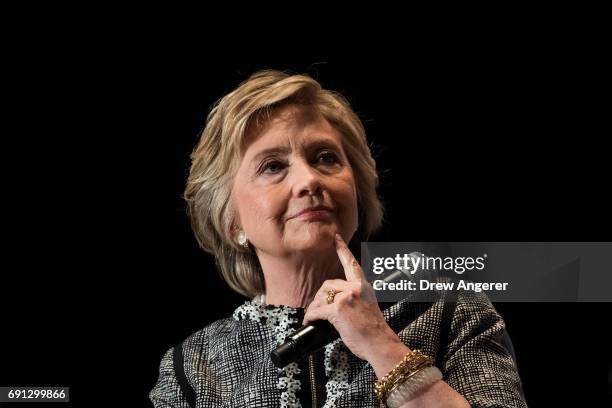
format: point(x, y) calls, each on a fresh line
point(481, 141)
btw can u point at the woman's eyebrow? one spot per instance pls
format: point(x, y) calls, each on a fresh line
point(331, 144)
point(282, 150)
point(322, 142)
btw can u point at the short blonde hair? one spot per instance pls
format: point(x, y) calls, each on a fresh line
point(217, 156)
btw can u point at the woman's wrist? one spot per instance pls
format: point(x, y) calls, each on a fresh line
point(386, 353)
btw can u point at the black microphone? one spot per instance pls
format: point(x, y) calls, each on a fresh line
point(318, 333)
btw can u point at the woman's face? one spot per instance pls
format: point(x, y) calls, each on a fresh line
point(294, 162)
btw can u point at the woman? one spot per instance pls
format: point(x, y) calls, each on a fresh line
point(281, 180)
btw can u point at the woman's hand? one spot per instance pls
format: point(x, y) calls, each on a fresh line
point(356, 316)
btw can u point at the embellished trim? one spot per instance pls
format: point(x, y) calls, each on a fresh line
point(279, 319)
point(336, 369)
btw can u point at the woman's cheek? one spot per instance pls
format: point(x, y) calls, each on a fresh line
point(269, 205)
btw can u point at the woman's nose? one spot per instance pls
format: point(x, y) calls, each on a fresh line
point(306, 179)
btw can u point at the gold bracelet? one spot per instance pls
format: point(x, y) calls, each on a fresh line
point(412, 362)
point(403, 379)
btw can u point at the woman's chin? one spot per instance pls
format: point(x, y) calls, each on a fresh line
point(319, 242)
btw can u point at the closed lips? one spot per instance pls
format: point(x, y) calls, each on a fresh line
point(317, 208)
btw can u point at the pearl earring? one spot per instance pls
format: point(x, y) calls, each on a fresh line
point(242, 239)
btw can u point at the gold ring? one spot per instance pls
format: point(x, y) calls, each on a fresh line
point(330, 296)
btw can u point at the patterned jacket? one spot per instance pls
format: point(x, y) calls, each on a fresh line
point(228, 365)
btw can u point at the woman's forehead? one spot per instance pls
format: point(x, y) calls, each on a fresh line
point(291, 128)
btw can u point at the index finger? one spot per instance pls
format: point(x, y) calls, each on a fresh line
point(352, 269)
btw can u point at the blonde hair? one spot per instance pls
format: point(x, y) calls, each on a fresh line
point(217, 156)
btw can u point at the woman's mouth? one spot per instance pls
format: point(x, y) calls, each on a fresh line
point(317, 212)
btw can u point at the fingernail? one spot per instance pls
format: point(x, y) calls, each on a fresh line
point(338, 237)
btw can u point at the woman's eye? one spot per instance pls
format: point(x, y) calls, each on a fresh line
point(272, 167)
point(327, 157)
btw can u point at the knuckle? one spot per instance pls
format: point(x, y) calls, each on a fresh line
point(329, 284)
point(346, 301)
point(310, 315)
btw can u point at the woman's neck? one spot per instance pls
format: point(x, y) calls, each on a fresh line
point(294, 282)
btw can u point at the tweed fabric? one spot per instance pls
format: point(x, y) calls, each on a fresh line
point(228, 365)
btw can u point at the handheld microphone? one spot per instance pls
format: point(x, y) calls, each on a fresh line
point(318, 333)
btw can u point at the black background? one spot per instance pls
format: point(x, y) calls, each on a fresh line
point(476, 139)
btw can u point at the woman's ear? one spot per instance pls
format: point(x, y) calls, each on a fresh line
point(234, 231)
point(234, 220)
